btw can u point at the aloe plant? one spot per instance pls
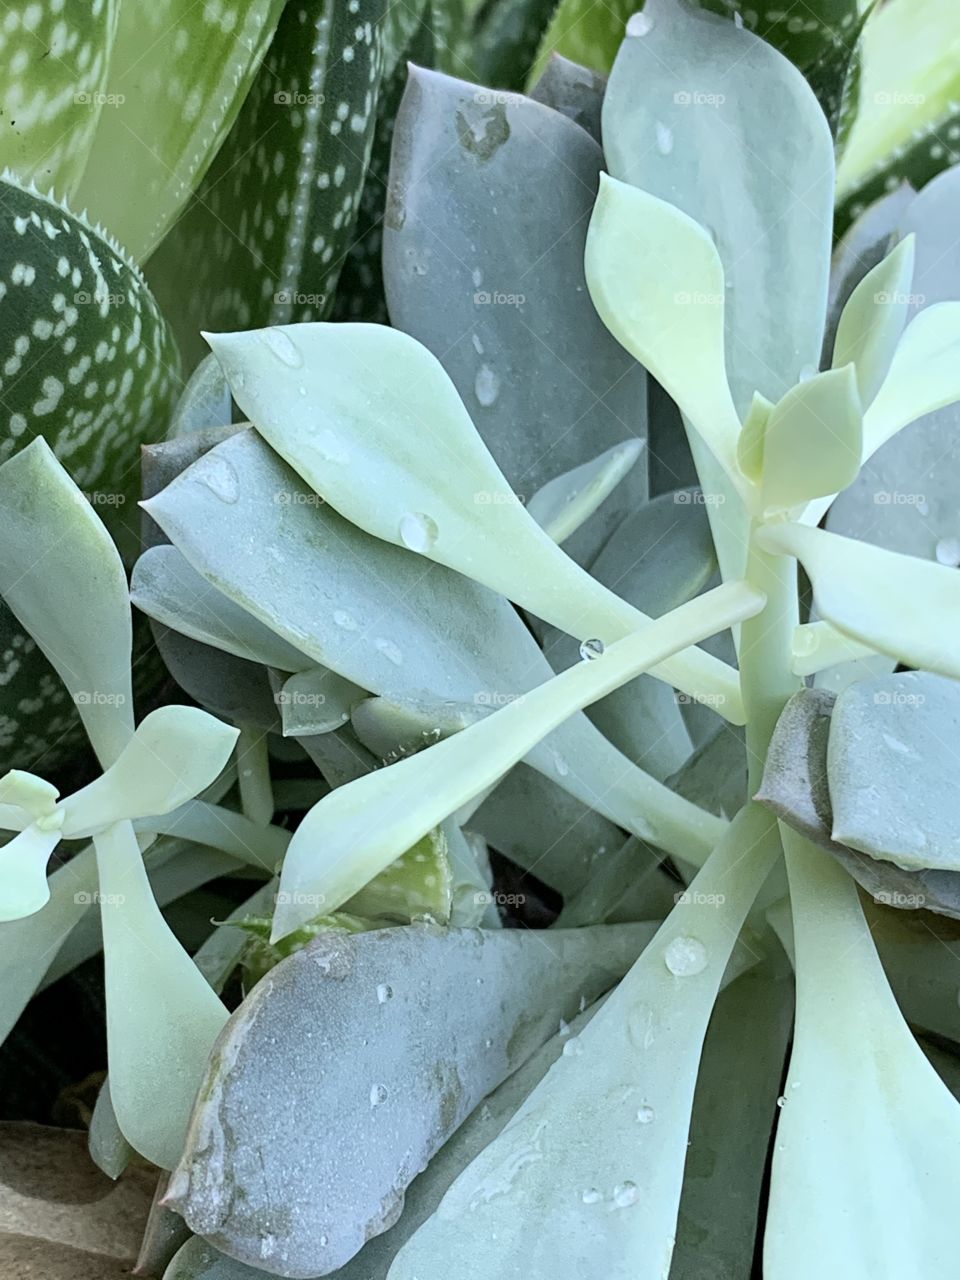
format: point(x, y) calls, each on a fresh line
point(514, 582)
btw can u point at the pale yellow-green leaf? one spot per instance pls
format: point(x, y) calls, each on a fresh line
point(873, 318)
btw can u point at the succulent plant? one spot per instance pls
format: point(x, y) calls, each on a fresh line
point(501, 602)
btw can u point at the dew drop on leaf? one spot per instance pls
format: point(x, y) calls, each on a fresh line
point(625, 1195)
point(639, 24)
point(664, 138)
point(486, 386)
point(384, 993)
point(378, 1095)
point(685, 957)
point(283, 347)
point(591, 1196)
point(590, 649)
point(418, 532)
point(645, 1115)
point(948, 552)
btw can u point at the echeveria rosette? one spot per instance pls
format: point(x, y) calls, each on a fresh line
point(54, 550)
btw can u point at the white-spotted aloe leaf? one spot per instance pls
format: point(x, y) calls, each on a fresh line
point(178, 74)
point(492, 282)
point(54, 550)
point(354, 832)
point(862, 1101)
point(333, 611)
point(657, 281)
point(264, 239)
point(897, 605)
point(596, 1153)
point(907, 127)
point(54, 66)
point(386, 1084)
point(704, 79)
point(424, 489)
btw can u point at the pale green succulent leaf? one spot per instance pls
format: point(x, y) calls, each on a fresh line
point(563, 504)
point(818, 645)
point(174, 753)
point(854, 1059)
point(357, 830)
point(704, 81)
point(54, 549)
point(812, 440)
point(54, 66)
point(657, 281)
point(162, 1017)
point(751, 439)
point(23, 871)
point(317, 701)
point(430, 484)
point(35, 796)
point(595, 1155)
point(204, 402)
point(894, 604)
point(924, 374)
point(168, 589)
point(574, 90)
point(873, 320)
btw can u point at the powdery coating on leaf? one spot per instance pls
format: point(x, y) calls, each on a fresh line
point(466, 1009)
point(54, 60)
point(266, 236)
point(492, 282)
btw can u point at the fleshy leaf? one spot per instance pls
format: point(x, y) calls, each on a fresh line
point(818, 645)
point(812, 440)
point(492, 282)
point(894, 604)
point(574, 90)
point(563, 504)
point(204, 402)
point(332, 609)
point(890, 781)
point(23, 871)
point(872, 321)
point(595, 1155)
point(316, 701)
point(162, 1018)
point(174, 754)
point(169, 590)
point(425, 490)
point(356, 831)
point(657, 281)
point(400, 1056)
point(853, 1061)
point(176, 97)
point(704, 81)
point(54, 550)
point(923, 374)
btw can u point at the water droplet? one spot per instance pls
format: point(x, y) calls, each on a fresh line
point(626, 1194)
point(805, 642)
point(283, 347)
point(378, 1095)
point(488, 1044)
point(664, 138)
point(323, 1242)
point(645, 1115)
point(345, 620)
point(922, 508)
point(573, 1048)
point(639, 24)
point(389, 650)
point(418, 532)
point(486, 386)
point(477, 277)
point(560, 765)
point(477, 344)
point(685, 957)
point(807, 372)
point(591, 649)
point(591, 1196)
point(781, 1101)
point(948, 552)
point(220, 478)
point(384, 993)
